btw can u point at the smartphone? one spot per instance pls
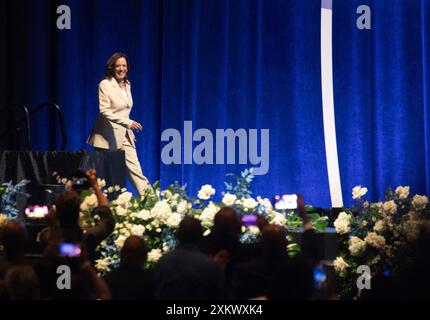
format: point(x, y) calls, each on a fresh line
point(249, 220)
point(320, 275)
point(79, 180)
point(36, 211)
point(286, 202)
point(70, 250)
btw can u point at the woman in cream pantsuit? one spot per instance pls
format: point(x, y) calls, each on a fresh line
point(113, 129)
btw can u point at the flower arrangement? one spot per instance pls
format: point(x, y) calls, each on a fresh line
point(156, 216)
point(377, 234)
point(8, 193)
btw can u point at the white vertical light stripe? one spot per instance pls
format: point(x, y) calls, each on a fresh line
point(328, 109)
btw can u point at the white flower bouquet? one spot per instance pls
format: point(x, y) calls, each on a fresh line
point(156, 216)
point(377, 234)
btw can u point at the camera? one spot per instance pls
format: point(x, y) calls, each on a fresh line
point(286, 202)
point(79, 180)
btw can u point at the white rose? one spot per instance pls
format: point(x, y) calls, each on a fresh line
point(402, 192)
point(419, 202)
point(356, 246)
point(358, 192)
point(120, 211)
point(389, 207)
point(89, 203)
point(265, 202)
point(379, 226)
point(375, 240)
point(208, 214)
point(143, 214)
point(250, 203)
point(229, 199)
point(206, 192)
point(166, 247)
point(254, 230)
point(102, 265)
point(166, 194)
point(101, 183)
point(119, 242)
point(377, 205)
point(342, 223)
point(182, 207)
point(69, 185)
point(174, 220)
point(124, 199)
point(137, 230)
point(154, 255)
point(279, 219)
point(340, 265)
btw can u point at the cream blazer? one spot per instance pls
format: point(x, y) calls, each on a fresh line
point(113, 121)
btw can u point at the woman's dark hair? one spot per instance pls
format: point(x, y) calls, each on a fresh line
point(110, 65)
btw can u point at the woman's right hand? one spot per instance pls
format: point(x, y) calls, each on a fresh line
point(136, 126)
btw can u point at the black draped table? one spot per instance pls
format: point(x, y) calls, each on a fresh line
point(38, 167)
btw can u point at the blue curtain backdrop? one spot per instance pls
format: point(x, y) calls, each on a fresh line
point(251, 64)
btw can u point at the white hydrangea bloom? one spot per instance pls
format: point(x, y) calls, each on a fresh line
point(206, 192)
point(402, 192)
point(229, 199)
point(358, 192)
point(356, 246)
point(342, 223)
